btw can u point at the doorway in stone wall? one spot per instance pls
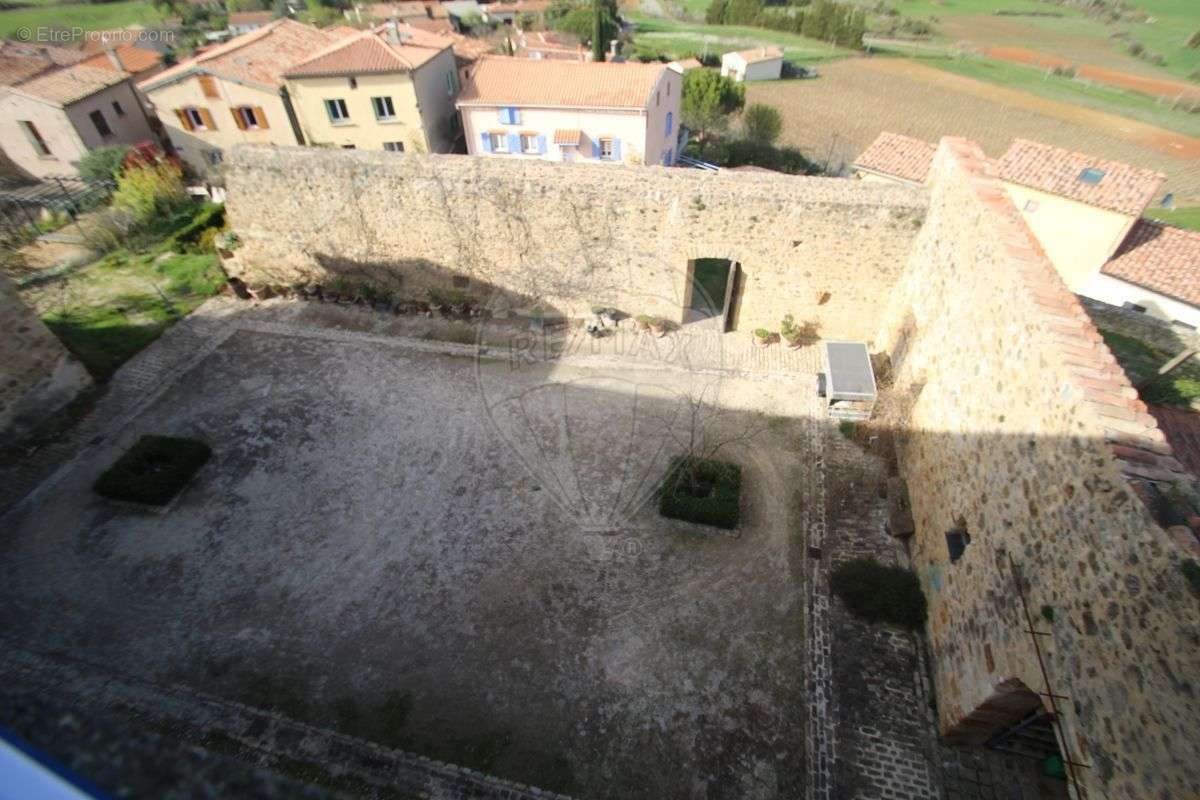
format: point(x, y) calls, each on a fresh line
point(711, 293)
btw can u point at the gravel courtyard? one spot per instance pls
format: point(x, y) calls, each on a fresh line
point(378, 519)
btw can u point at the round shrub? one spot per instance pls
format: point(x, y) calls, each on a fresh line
point(879, 593)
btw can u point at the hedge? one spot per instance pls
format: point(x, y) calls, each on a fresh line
point(153, 470)
point(880, 593)
point(720, 507)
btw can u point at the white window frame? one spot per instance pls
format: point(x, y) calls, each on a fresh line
point(606, 148)
point(342, 117)
point(396, 147)
point(529, 144)
point(248, 117)
point(195, 117)
point(384, 101)
point(499, 142)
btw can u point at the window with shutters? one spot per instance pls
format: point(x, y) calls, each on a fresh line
point(35, 138)
point(384, 110)
point(117, 109)
point(529, 143)
point(606, 148)
point(208, 85)
point(499, 142)
point(97, 118)
point(451, 83)
point(193, 119)
point(510, 116)
point(394, 147)
point(248, 118)
point(339, 114)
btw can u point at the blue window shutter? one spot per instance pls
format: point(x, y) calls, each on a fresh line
point(514, 143)
point(541, 144)
point(595, 148)
point(670, 122)
point(487, 143)
point(616, 156)
point(514, 116)
point(504, 115)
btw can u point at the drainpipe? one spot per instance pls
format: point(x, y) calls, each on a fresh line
point(291, 114)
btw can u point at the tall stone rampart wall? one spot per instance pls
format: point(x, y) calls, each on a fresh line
point(998, 438)
point(571, 236)
point(37, 374)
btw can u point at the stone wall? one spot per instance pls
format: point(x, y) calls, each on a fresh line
point(37, 375)
point(1151, 330)
point(1012, 417)
point(570, 236)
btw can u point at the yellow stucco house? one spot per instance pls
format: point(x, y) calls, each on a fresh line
point(235, 92)
point(388, 88)
point(1086, 214)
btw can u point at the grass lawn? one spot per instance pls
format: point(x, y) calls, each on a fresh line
point(111, 310)
point(1056, 87)
point(1173, 22)
point(99, 16)
point(675, 39)
point(1140, 361)
point(1182, 217)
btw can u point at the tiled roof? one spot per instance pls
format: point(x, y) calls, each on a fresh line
point(758, 54)
point(373, 51)
point(468, 49)
point(20, 61)
point(441, 26)
point(1159, 257)
point(568, 136)
point(133, 59)
point(1137, 444)
point(1181, 426)
point(686, 64)
point(260, 56)
point(69, 84)
point(898, 156)
point(1115, 186)
point(566, 84)
point(250, 17)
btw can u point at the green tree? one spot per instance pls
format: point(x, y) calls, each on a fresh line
point(234, 6)
point(598, 38)
point(715, 15)
point(581, 21)
point(743, 12)
point(103, 163)
point(762, 123)
point(708, 101)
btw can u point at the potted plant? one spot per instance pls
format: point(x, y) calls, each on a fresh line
point(762, 337)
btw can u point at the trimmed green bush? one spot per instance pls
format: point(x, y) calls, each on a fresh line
point(879, 593)
point(702, 490)
point(153, 470)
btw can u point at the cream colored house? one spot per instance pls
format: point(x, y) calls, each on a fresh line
point(1086, 215)
point(572, 111)
point(390, 88)
point(235, 92)
point(759, 64)
point(52, 119)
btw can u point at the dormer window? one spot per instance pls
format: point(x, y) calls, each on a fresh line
point(1091, 175)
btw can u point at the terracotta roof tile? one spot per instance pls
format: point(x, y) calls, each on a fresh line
point(757, 54)
point(20, 61)
point(373, 51)
point(69, 84)
point(1135, 440)
point(899, 156)
point(569, 84)
point(260, 56)
point(568, 137)
point(1159, 257)
point(133, 59)
point(1115, 186)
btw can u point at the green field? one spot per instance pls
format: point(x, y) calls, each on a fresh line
point(1174, 21)
point(675, 39)
point(1180, 217)
point(1068, 90)
point(43, 14)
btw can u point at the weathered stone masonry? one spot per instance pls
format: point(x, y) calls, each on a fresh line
point(571, 236)
point(1023, 431)
point(37, 375)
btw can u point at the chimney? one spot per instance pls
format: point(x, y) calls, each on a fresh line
point(393, 31)
point(111, 52)
point(612, 48)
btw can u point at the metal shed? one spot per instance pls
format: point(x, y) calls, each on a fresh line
point(849, 381)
